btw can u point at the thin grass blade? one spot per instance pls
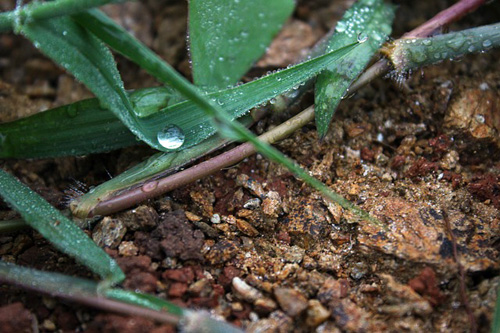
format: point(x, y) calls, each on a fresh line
point(83, 55)
point(227, 37)
point(58, 229)
point(31, 138)
point(87, 292)
point(370, 19)
point(195, 123)
point(80, 128)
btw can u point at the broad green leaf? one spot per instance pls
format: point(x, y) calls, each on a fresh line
point(57, 228)
point(83, 55)
point(227, 37)
point(31, 138)
point(80, 128)
point(370, 19)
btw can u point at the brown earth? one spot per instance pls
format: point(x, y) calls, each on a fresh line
point(261, 249)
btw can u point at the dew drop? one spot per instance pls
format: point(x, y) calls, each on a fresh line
point(340, 27)
point(455, 44)
point(171, 137)
point(418, 56)
point(427, 42)
point(471, 48)
point(362, 37)
point(487, 43)
point(149, 186)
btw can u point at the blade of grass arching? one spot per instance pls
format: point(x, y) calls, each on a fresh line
point(410, 53)
point(58, 229)
point(116, 300)
point(45, 10)
point(83, 55)
point(80, 128)
point(186, 116)
point(370, 19)
point(227, 37)
point(29, 138)
point(195, 123)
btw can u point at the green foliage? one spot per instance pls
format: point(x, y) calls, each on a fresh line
point(228, 36)
point(410, 53)
point(366, 19)
point(83, 55)
point(57, 228)
point(34, 136)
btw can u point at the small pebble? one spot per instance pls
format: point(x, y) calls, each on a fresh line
point(290, 300)
point(109, 232)
point(127, 249)
point(316, 313)
point(252, 203)
point(245, 291)
point(215, 219)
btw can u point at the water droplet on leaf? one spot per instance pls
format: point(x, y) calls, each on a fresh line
point(487, 43)
point(171, 137)
point(362, 37)
point(340, 27)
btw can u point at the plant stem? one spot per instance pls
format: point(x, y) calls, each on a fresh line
point(46, 10)
point(443, 18)
point(410, 53)
point(130, 198)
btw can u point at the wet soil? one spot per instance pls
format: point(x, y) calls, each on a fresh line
point(259, 248)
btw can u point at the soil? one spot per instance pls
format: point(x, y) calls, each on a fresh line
point(259, 248)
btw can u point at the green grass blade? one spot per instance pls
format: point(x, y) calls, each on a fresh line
point(370, 19)
point(45, 10)
point(75, 129)
point(227, 37)
point(31, 138)
point(80, 128)
point(410, 53)
point(236, 101)
point(196, 125)
point(83, 55)
point(53, 283)
point(87, 292)
point(58, 229)
point(144, 300)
